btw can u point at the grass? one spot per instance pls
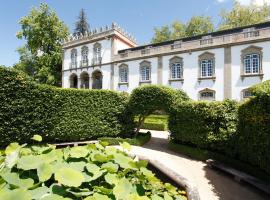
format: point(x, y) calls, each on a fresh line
point(140, 140)
point(203, 155)
point(156, 122)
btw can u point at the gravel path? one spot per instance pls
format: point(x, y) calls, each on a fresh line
point(211, 184)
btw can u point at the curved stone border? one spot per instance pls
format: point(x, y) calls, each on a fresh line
point(192, 192)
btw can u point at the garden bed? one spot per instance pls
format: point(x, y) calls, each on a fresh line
point(88, 172)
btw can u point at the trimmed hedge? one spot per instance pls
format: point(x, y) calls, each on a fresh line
point(58, 114)
point(207, 125)
point(254, 128)
point(147, 99)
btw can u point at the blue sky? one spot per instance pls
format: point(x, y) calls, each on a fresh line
point(138, 17)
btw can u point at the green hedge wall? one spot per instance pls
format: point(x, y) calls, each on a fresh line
point(208, 125)
point(58, 114)
point(254, 128)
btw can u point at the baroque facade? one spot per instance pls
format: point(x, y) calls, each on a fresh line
point(215, 66)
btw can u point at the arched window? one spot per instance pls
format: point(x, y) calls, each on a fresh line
point(251, 61)
point(145, 71)
point(123, 73)
point(207, 94)
point(97, 54)
point(84, 62)
point(73, 59)
point(207, 65)
point(176, 68)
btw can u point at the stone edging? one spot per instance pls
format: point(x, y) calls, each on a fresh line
point(192, 192)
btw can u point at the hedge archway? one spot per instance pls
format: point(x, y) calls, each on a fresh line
point(147, 99)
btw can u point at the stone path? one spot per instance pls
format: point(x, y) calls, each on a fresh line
point(211, 184)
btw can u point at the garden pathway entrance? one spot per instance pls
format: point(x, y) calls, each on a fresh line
point(211, 184)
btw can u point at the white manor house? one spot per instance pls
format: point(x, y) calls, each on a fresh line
point(215, 66)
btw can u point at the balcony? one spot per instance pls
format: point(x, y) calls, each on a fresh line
point(97, 61)
point(73, 65)
point(84, 63)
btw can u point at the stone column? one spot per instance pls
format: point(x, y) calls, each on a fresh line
point(227, 73)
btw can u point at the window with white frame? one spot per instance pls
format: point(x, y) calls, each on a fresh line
point(145, 71)
point(97, 50)
point(246, 93)
point(84, 56)
point(207, 68)
point(73, 58)
point(207, 94)
point(176, 68)
point(252, 63)
point(123, 74)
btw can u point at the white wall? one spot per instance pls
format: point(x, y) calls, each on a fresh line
point(191, 68)
point(237, 83)
point(134, 74)
point(191, 85)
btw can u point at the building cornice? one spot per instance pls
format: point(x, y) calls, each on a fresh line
point(218, 42)
point(99, 34)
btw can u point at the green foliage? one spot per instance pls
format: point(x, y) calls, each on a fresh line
point(61, 176)
point(161, 34)
point(41, 57)
point(81, 26)
point(254, 129)
point(195, 26)
point(199, 25)
point(208, 125)
point(58, 114)
point(145, 100)
point(139, 140)
point(244, 15)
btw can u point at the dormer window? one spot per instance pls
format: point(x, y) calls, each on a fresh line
point(73, 63)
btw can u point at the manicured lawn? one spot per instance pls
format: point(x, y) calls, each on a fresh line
point(156, 122)
point(140, 140)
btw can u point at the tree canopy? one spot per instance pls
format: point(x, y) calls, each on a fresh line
point(41, 56)
point(81, 26)
point(244, 15)
point(196, 25)
point(239, 15)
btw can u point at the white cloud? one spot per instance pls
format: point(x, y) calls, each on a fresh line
point(256, 2)
point(248, 2)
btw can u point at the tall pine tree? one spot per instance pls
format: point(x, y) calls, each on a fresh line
point(81, 26)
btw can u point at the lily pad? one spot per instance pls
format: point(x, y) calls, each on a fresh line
point(69, 177)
